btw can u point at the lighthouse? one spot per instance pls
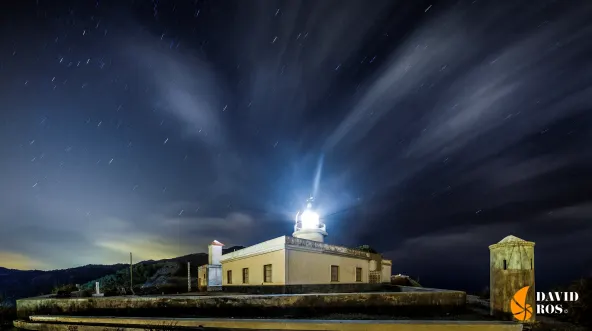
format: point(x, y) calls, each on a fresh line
point(308, 224)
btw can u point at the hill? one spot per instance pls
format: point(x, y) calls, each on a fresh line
point(16, 284)
point(151, 277)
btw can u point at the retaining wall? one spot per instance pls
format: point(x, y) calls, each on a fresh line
point(294, 305)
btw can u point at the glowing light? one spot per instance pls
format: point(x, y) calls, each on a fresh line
point(309, 219)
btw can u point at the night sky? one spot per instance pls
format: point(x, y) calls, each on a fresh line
point(434, 129)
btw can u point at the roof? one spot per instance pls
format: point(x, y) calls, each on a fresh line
point(510, 239)
point(216, 243)
point(288, 242)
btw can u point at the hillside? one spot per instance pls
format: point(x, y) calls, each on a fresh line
point(16, 284)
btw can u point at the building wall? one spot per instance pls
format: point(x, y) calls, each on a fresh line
point(202, 276)
point(208, 276)
point(214, 277)
point(214, 254)
point(255, 265)
point(308, 267)
point(386, 272)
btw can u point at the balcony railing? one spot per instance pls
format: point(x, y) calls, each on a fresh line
point(298, 226)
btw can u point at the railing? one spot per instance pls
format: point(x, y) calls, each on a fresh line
point(298, 226)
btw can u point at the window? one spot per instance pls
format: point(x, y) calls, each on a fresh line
point(267, 273)
point(505, 265)
point(229, 277)
point(245, 275)
point(334, 273)
point(358, 274)
point(531, 264)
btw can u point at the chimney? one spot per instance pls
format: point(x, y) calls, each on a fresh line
point(215, 252)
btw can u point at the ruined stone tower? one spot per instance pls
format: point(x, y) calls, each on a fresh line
point(511, 268)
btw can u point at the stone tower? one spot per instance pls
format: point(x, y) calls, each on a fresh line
point(511, 267)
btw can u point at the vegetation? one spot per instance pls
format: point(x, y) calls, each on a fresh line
point(7, 312)
point(485, 293)
point(119, 282)
point(579, 312)
point(64, 288)
point(403, 280)
point(16, 284)
point(367, 249)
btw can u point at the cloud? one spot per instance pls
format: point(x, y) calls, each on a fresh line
point(435, 98)
point(161, 237)
point(19, 261)
point(143, 247)
point(186, 87)
point(67, 238)
point(575, 212)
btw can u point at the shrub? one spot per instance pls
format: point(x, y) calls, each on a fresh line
point(7, 312)
point(580, 311)
point(68, 288)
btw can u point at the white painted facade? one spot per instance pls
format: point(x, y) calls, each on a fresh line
point(209, 276)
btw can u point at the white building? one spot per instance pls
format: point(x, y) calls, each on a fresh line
point(209, 276)
point(300, 259)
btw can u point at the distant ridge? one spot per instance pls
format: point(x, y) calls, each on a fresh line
point(16, 284)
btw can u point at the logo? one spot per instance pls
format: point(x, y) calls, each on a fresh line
point(550, 303)
point(520, 309)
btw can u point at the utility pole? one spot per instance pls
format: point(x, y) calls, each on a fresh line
point(188, 276)
point(131, 275)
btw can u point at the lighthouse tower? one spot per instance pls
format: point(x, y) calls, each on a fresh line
point(308, 225)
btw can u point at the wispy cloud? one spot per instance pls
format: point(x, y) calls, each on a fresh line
point(185, 86)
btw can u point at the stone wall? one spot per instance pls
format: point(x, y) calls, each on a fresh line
point(504, 284)
point(408, 304)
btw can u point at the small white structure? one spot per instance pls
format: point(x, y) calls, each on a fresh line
point(308, 225)
point(215, 252)
point(98, 291)
point(210, 275)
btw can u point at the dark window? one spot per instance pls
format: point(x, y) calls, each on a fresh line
point(505, 265)
point(530, 263)
point(267, 273)
point(229, 277)
point(334, 273)
point(358, 274)
point(245, 275)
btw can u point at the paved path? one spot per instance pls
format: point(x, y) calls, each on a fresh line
point(90, 324)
